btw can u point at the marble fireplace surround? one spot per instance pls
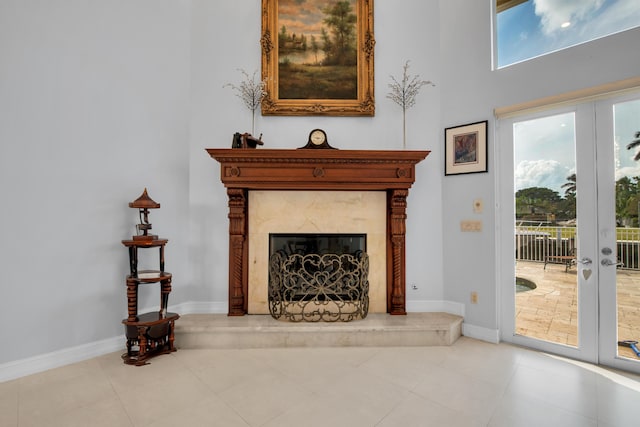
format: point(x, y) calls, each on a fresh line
point(335, 212)
point(245, 170)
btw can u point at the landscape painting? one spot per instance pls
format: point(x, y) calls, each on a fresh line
point(317, 50)
point(318, 57)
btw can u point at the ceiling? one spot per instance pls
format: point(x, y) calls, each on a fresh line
point(502, 5)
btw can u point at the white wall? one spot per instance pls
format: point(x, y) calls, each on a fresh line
point(93, 108)
point(226, 37)
point(470, 92)
point(99, 99)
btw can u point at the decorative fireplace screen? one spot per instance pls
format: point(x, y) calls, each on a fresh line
point(314, 277)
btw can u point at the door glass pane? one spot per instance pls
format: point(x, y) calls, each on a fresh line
point(546, 302)
point(627, 146)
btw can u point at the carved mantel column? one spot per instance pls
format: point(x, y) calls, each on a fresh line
point(237, 251)
point(243, 170)
point(397, 215)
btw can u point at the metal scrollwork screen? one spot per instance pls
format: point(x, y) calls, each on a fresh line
point(319, 287)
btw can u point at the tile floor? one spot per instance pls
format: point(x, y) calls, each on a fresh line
point(471, 383)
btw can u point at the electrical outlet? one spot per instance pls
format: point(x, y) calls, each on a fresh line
point(474, 297)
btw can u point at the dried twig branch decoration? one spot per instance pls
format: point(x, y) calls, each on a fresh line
point(251, 93)
point(404, 94)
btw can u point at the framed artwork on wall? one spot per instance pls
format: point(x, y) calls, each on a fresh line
point(317, 57)
point(465, 149)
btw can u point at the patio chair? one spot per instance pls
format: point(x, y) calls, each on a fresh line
point(568, 260)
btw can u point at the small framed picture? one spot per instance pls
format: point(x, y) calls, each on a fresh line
point(465, 149)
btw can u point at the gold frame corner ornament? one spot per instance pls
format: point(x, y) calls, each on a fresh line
point(363, 105)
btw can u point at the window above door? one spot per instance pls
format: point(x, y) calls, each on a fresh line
point(526, 29)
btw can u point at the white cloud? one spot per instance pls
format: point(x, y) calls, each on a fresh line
point(554, 13)
point(620, 15)
point(541, 173)
point(628, 171)
point(624, 159)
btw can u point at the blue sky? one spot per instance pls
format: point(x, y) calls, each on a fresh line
point(545, 153)
point(535, 27)
point(545, 148)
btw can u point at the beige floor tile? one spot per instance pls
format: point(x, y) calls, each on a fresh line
point(303, 365)
point(461, 392)
point(53, 395)
point(399, 367)
point(483, 361)
point(525, 411)
point(208, 412)
point(161, 397)
point(264, 396)
point(104, 413)
point(129, 378)
point(419, 412)
point(578, 396)
point(356, 399)
point(325, 411)
point(9, 403)
point(471, 383)
point(223, 369)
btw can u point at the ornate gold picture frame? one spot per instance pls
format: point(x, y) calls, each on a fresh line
point(317, 57)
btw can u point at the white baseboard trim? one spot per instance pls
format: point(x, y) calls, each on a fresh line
point(43, 362)
point(480, 333)
point(33, 365)
point(428, 306)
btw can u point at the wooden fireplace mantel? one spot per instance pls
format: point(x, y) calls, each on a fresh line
point(316, 169)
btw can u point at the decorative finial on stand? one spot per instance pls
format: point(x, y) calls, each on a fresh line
point(143, 204)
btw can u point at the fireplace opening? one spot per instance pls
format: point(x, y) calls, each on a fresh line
point(318, 277)
point(318, 243)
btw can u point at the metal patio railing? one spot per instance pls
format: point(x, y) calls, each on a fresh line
point(540, 242)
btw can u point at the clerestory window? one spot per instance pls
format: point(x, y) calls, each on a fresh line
point(526, 29)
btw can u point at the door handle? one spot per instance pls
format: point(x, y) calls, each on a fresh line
point(607, 263)
point(585, 261)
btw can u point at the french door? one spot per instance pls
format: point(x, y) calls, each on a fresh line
point(569, 197)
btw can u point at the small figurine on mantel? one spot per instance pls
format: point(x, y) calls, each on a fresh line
point(246, 140)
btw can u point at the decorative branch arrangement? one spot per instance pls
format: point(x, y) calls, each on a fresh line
point(251, 92)
point(404, 94)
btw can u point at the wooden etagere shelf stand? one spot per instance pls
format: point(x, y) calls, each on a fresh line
point(148, 334)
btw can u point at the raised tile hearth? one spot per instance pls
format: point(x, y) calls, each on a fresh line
point(219, 331)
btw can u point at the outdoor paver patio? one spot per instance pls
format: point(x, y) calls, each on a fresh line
point(550, 312)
